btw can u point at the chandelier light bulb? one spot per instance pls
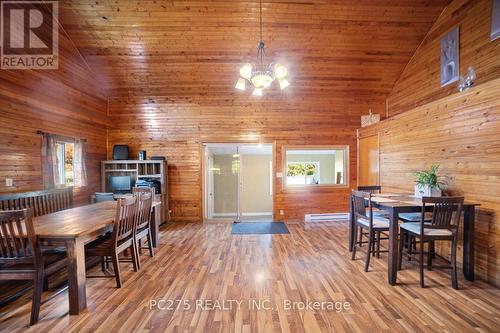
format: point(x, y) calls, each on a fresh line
point(280, 71)
point(246, 71)
point(257, 92)
point(240, 85)
point(283, 83)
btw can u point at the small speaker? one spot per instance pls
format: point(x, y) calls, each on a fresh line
point(120, 152)
point(142, 155)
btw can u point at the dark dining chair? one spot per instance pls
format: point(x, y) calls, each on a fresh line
point(143, 228)
point(374, 225)
point(372, 189)
point(22, 257)
point(121, 239)
point(442, 227)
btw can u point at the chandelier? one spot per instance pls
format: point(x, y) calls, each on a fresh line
point(259, 75)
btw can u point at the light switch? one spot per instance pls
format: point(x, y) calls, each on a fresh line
point(282, 212)
point(279, 174)
point(9, 182)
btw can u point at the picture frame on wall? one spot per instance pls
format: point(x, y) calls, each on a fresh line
point(450, 57)
point(495, 20)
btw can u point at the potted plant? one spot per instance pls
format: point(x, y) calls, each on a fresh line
point(428, 183)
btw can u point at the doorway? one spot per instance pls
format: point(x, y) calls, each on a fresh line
point(238, 182)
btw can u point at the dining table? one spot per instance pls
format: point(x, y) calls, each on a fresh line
point(75, 227)
point(397, 203)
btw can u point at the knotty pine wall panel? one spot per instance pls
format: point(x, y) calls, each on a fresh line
point(419, 83)
point(63, 101)
point(461, 133)
point(176, 127)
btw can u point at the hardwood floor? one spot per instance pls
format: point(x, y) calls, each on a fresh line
point(204, 261)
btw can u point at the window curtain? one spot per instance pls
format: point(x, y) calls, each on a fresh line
point(50, 170)
point(50, 161)
point(79, 167)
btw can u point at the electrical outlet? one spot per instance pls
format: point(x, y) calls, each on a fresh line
point(9, 182)
point(282, 212)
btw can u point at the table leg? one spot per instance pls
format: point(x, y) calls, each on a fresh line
point(155, 225)
point(392, 258)
point(468, 257)
point(76, 276)
point(352, 236)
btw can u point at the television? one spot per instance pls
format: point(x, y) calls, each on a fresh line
point(119, 184)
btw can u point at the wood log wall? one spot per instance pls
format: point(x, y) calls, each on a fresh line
point(176, 127)
point(62, 101)
point(420, 81)
point(459, 131)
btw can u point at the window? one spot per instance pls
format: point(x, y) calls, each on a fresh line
point(302, 173)
point(65, 163)
point(316, 166)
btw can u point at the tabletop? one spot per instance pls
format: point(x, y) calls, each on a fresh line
point(404, 200)
point(78, 221)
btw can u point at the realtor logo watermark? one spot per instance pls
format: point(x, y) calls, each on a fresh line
point(29, 35)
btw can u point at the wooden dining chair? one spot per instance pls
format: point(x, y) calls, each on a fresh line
point(443, 226)
point(143, 228)
point(372, 189)
point(367, 221)
point(22, 257)
point(121, 239)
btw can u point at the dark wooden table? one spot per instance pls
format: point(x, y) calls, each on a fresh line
point(74, 228)
point(404, 203)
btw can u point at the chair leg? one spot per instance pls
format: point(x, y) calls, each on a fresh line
point(433, 250)
point(135, 256)
point(45, 284)
point(116, 267)
point(401, 248)
point(368, 250)
point(103, 263)
point(355, 245)
point(150, 244)
point(140, 246)
point(411, 241)
point(429, 256)
point(378, 244)
point(421, 263)
point(373, 249)
point(37, 296)
point(454, 282)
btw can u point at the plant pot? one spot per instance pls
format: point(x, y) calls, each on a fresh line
point(427, 191)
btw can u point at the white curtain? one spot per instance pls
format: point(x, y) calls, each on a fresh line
point(80, 169)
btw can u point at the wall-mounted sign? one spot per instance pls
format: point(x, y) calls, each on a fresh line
point(370, 119)
point(449, 57)
point(495, 20)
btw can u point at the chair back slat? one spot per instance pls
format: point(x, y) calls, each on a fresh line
point(17, 237)
point(125, 221)
point(358, 203)
point(445, 208)
point(372, 189)
point(42, 202)
point(145, 202)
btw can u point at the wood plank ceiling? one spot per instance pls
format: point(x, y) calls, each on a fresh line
point(174, 48)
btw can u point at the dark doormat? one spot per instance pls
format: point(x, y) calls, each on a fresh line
point(259, 228)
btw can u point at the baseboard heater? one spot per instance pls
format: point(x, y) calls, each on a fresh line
point(326, 217)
